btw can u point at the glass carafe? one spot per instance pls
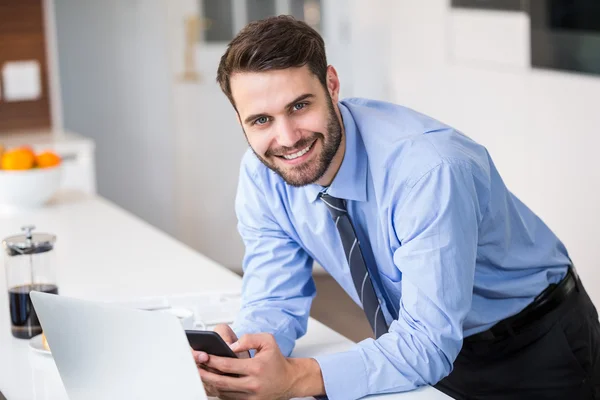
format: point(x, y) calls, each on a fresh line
point(29, 262)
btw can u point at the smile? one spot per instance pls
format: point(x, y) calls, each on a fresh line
point(299, 153)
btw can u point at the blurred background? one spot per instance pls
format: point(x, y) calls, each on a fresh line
point(125, 90)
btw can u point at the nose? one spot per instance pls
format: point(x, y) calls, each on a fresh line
point(288, 133)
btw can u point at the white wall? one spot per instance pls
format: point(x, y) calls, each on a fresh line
point(114, 75)
point(56, 112)
point(540, 127)
point(168, 150)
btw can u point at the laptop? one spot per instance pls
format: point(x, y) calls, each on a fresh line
point(104, 351)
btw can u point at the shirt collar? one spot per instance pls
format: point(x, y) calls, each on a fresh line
point(350, 182)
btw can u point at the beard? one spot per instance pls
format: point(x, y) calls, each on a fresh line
point(309, 172)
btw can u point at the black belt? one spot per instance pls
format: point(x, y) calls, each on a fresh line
point(545, 302)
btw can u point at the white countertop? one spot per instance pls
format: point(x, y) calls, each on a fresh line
point(41, 137)
point(104, 253)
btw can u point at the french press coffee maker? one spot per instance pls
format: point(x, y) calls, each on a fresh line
point(29, 262)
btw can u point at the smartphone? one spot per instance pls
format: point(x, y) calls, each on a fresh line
point(209, 342)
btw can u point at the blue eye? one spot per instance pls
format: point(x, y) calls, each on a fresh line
point(299, 106)
point(261, 121)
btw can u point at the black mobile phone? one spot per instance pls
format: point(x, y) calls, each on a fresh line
point(209, 342)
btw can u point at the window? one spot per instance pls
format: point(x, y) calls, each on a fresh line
point(565, 35)
point(218, 21)
point(224, 18)
point(259, 9)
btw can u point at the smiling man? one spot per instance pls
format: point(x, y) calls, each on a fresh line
point(464, 286)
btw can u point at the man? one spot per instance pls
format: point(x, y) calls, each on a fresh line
point(465, 287)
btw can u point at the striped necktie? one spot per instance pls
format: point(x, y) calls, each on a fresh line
point(358, 269)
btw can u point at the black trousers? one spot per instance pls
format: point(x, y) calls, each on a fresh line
point(555, 357)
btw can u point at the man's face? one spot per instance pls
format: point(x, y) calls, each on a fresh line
point(289, 121)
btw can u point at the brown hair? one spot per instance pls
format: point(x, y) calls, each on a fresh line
point(273, 43)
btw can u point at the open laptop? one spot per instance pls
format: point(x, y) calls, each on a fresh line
point(104, 351)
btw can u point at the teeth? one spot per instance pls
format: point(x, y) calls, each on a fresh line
point(298, 154)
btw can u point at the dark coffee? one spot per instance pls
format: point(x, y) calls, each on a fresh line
point(25, 323)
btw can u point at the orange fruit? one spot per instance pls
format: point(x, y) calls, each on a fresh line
point(47, 159)
point(26, 148)
point(18, 159)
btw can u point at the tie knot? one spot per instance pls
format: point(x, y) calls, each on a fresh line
point(335, 206)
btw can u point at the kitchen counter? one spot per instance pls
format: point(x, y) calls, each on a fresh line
point(43, 138)
point(104, 253)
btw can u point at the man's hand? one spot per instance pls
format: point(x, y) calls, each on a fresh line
point(267, 376)
point(228, 336)
point(201, 357)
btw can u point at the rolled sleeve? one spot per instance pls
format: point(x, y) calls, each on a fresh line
point(285, 334)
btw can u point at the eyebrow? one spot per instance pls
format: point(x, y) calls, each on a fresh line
point(290, 104)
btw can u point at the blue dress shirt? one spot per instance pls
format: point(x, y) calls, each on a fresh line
point(455, 251)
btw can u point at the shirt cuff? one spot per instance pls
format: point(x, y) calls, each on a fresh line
point(241, 330)
point(344, 375)
point(282, 337)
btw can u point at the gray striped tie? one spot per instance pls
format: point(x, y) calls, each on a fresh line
point(358, 268)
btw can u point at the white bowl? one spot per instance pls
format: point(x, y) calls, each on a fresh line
point(27, 189)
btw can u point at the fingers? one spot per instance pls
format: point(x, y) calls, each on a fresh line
point(232, 365)
point(226, 333)
point(200, 356)
point(223, 383)
point(258, 341)
point(210, 391)
point(243, 354)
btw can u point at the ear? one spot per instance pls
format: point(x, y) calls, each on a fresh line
point(333, 84)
